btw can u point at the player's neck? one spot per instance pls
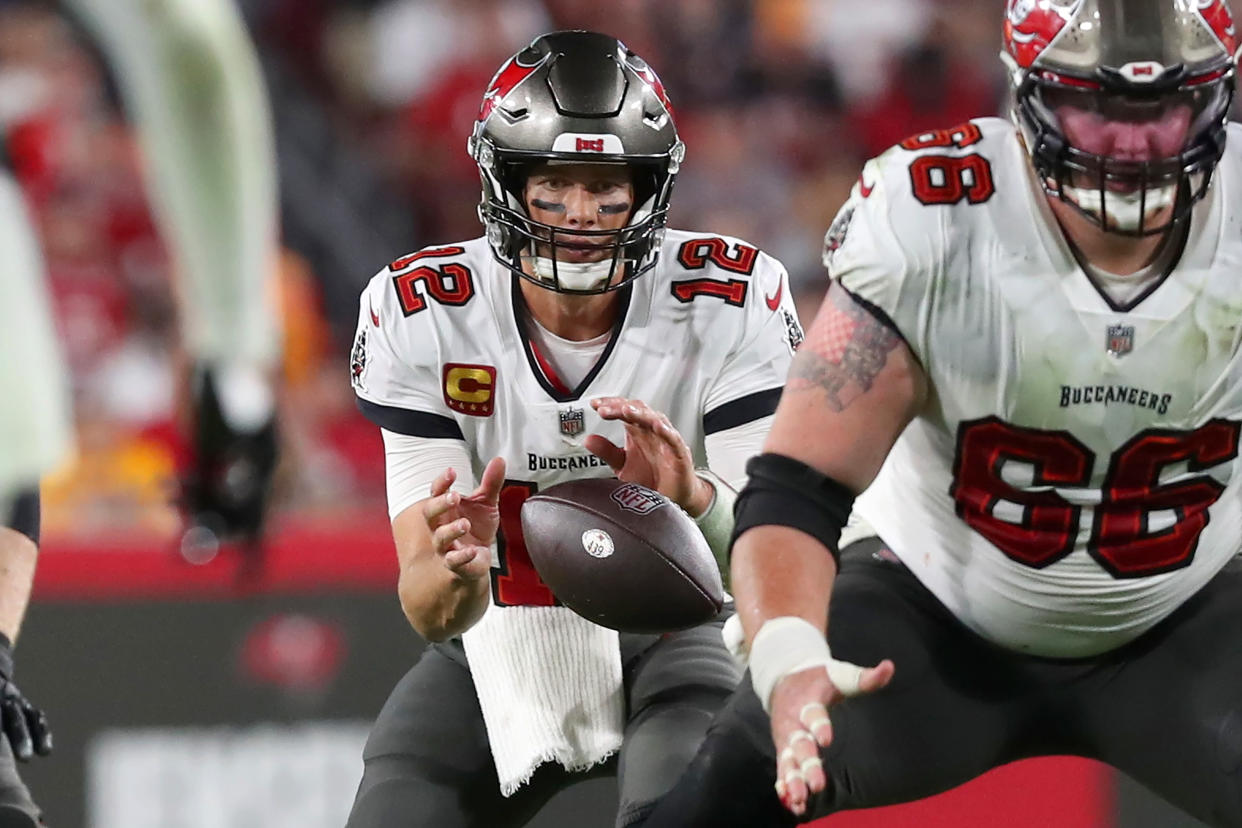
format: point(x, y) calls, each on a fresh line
point(576, 318)
point(1112, 252)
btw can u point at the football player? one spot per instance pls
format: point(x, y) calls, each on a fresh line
point(578, 338)
point(1027, 378)
point(191, 82)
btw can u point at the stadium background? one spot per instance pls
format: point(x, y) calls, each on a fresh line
point(223, 695)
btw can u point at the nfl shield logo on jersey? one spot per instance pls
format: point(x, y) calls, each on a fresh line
point(573, 422)
point(793, 330)
point(1120, 339)
point(358, 360)
point(835, 237)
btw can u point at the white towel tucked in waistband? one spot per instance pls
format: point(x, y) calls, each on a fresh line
point(549, 683)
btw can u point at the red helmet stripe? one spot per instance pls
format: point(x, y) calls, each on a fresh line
point(1067, 80)
point(1207, 78)
point(505, 81)
point(1215, 14)
point(1030, 25)
point(654, 82)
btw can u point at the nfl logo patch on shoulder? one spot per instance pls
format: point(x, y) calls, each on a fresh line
point(1120, 340)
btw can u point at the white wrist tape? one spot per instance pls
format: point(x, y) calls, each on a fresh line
point(783, 646)
point(788, 645)
point(734, 638)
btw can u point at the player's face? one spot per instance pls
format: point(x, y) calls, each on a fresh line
point(589, 197)
point(1124, 129)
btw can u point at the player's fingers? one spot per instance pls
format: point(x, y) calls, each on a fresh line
point(436, 507)
point(642, 443)
point(877, 677)
point(468, 561)
point(802, 751)
point(795, 740)
point(635, 412)
point(615, 408)
point(852, 680)
point(442, 482)
point(608, 404)
point(671, 437)
point(443, 536)
point(606, 450)
point(814, 717)
point(789, 776)
point(493, 480)
point(638, 413)
point(812, 770)
point(654, 442)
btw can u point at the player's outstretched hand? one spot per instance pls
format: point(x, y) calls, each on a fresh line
point(800, 723)
point(463, 528)
point(655, 455)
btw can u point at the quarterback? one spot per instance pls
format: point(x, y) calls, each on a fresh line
point(192, 87)
point(578, 338)
point(1026, 381)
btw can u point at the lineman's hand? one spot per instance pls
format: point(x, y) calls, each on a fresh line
point(800, 724)
point(463, 528)
point(655, 455)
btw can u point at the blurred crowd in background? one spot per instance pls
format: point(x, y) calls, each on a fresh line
point(779, 103)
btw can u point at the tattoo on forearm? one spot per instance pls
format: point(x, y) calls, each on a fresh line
point(845, 350)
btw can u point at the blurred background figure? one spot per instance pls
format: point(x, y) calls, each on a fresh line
point(206, 711)
point(193, 87)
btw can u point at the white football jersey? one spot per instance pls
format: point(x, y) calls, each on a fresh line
point(441, 351)
point(1073, 478)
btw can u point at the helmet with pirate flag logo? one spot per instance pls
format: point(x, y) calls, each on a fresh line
point(575, 97)
point(1122, 103)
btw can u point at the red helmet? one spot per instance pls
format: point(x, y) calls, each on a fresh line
point(1122, 61)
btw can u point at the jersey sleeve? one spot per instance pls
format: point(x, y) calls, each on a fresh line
point(749, 384)
point(882, 246)
point(397, 386)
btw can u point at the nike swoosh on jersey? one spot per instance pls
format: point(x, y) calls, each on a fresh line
point(374, 315)
point(864, 189)
point(774, 302)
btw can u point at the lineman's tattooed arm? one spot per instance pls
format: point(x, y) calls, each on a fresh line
point(845, 350)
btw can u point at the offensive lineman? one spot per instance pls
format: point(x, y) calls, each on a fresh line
point(1030, 361)
point(192, 87)
point(578, 338)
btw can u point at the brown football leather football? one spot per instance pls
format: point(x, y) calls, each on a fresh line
point(622, 555)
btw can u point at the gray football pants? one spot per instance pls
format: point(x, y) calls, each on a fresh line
point(428, 763)
point(1166, 709)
